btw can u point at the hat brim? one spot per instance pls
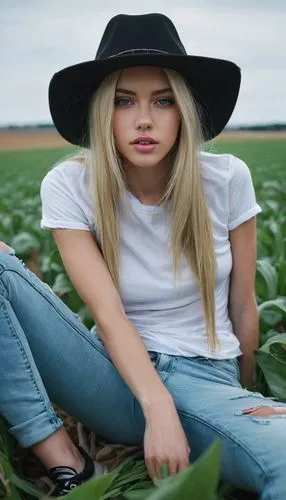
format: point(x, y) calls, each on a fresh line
point(214, 84)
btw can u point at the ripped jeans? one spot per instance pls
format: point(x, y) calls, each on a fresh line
point(47, 354)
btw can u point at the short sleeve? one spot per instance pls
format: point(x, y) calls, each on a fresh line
point(60, 207)
point(242, 203)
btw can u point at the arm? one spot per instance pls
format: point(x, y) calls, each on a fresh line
point(242, 300)
point(96, 288)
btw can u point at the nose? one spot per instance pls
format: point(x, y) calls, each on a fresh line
point(143, 119)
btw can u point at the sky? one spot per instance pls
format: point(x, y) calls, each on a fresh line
point(38, 38)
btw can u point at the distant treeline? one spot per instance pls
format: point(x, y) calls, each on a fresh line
point(258, 128)
point(264, 127)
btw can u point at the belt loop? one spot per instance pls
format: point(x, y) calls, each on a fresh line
point(164, 362)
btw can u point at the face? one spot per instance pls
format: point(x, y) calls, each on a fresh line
point(145, 107)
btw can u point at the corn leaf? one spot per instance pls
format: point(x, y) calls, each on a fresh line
point(266, 280)
point(93, 489)
point(26, 486)
point(190, 483)
point(271, 358)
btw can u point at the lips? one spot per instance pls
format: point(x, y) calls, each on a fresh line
point(144, 140)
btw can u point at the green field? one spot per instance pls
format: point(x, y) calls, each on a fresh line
point(21, 173)
point(265, 156)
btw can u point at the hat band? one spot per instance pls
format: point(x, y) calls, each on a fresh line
point(138, 51)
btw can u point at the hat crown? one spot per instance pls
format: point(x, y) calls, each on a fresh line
point(132, 34)
point(142, 40)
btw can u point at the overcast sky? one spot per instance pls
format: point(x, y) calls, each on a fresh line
point(38, 38)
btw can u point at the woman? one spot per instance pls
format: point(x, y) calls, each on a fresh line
point(159, 240)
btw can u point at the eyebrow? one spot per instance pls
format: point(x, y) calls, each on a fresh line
point(156, 92)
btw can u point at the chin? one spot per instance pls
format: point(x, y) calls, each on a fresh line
point(146, 161)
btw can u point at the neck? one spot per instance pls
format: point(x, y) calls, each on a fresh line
point(146, 183)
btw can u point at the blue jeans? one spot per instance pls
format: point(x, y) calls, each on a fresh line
point(47, 354)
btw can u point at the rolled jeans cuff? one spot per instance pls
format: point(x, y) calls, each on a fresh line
point(36, 429)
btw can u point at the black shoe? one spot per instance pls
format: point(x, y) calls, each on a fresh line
point(66, 478)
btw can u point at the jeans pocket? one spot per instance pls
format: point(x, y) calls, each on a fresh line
point(154, 358)
point(230, 365)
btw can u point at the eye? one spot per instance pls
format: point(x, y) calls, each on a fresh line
point(165, 101)
point(122, 101)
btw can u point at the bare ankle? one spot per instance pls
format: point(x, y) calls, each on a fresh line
point(59, 450)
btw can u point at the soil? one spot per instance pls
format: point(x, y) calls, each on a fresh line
point(17, 140)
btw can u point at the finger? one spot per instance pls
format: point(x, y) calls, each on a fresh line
point(173, 467)
point(183, 464)
point(157, 469)
point(150, 468)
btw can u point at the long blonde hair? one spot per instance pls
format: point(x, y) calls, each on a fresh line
point(191, 230)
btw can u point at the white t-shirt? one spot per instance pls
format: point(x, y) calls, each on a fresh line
point(169, 319)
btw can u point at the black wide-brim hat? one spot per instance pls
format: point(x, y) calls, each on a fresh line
point(143, 40)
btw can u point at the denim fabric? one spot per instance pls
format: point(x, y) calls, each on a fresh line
point(47, 354)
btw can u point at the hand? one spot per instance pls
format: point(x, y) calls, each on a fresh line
point(247, 371)
point(4, 247)
point(165, 441)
